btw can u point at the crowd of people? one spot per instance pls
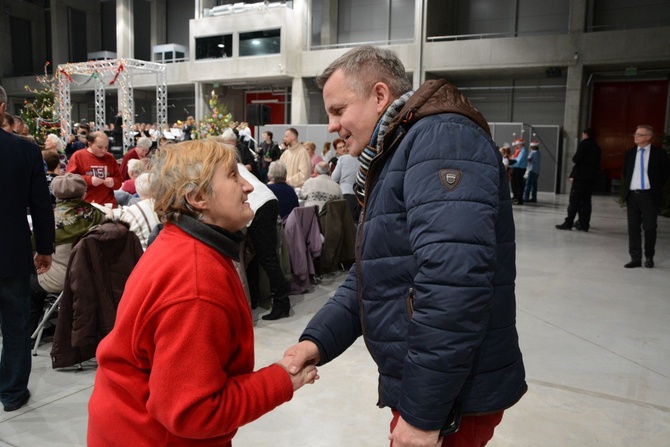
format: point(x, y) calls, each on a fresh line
point(432, 295)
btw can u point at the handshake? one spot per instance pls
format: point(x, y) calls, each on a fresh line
point(300, 362)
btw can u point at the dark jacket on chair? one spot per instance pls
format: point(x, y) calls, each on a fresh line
point(98, 268)
point(339, 235)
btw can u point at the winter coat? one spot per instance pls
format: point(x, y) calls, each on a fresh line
point(99, 266)
point(432, 290)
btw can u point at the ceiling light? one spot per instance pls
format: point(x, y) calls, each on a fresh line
point(255, 42)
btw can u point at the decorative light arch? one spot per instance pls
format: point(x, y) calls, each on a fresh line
point(121, 72)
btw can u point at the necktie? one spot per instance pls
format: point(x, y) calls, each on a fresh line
point(642, 167)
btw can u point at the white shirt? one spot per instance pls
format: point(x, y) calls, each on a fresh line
point(636, 180)
point(261, 193)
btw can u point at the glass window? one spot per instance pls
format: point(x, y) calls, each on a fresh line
point(214, 47)
point(257, 43)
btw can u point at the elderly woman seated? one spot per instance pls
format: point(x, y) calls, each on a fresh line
point(74, 217)
point(178, 367)
point(320, 189)
point(141, 216)
point(286, 195)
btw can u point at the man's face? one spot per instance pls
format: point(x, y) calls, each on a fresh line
point(99, 146)
point(353, 117)
point(266, 137)
point(290, 138)
point(341, 148)
point(642, 137)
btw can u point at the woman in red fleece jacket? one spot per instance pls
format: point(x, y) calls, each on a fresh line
point(177, 369)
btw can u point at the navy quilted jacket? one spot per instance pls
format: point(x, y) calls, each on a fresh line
point(432, 290)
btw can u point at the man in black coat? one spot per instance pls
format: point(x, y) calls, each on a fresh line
point(26, 187)
point(583, 177)
point(645, 171)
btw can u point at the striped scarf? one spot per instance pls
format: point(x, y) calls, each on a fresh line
point(372, 149)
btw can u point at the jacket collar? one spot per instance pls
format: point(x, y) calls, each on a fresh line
point(223, 241)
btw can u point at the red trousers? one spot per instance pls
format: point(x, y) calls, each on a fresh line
point(474, 431)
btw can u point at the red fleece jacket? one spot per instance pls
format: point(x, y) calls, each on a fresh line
point(177, 369)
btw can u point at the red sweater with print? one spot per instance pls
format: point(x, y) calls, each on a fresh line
point(177, 369)
point(88, 166)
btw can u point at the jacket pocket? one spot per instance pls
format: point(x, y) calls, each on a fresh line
point(409, 302)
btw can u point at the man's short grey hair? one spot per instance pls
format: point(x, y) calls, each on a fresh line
point(3, 95)
point(322, 168)
point(366, 65)
point(277, 171)
point(228, 135)
point(144, 142)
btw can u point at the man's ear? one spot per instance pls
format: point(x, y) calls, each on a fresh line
point(382, 96)
point(197, 201)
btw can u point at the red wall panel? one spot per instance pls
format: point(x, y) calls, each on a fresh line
point(618, 107)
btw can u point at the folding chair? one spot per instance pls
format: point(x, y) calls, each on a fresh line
point(50, 306)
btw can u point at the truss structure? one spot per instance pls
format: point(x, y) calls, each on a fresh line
point(105, 74)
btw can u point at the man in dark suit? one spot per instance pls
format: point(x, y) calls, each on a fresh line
point(26, 180)
point(583, 177)
point(645, 171)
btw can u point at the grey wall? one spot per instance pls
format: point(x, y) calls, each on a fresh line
point(178, 15)
point(372, 21)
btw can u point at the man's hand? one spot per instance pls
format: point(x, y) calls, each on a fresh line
point(109, 182)
point(308, 374)
point(42, 263)
point(404, 435)
point(303, 354)
point(95, 181)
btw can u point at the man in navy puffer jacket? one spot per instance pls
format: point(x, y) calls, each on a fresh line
point(432, 289)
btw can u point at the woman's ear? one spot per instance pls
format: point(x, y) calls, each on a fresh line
point(197, 201)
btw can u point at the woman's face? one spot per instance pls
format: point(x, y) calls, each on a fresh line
point(227, 207)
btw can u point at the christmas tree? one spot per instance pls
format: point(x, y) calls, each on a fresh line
point(40, 114)
point(216, 121)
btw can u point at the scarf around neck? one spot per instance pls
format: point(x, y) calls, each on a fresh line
point(372, 149)
point(223, 241)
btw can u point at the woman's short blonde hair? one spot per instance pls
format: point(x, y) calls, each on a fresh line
point(186, 170)
point(135, 167)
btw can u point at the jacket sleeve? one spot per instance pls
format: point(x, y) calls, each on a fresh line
point(337, 325)
point(206, 401)
point(453, 237)
point(41, 211)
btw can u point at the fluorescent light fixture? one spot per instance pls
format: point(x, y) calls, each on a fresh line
point(221, 45)
point(255, 42)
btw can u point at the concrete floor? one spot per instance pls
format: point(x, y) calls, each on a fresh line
point(595, 337)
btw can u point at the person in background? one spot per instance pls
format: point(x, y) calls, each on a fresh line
point(583, 177)
point(344, 174)
point(52, 159)
point(79, 140)
point(73, 217)
point(141, 215)
point(296, 159)
point(99, 168)
point(533, 171)
point(320, 189)
point(518, 163)
point(139, 152)
point(189, 128)
point(340, 150)
point(327, 152)
point(262, 230)
point(432, 289)
point(25, 187)
point(268, 152)
point(8, 123)
point(645, 172)
point(20, 127)
point(285, 194)
point(314, 158)
point(184, 303)
point(135, 168)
